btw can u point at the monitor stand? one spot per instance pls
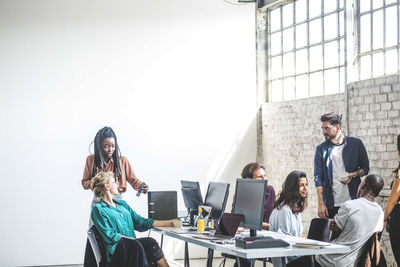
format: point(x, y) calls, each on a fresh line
point(253, 232)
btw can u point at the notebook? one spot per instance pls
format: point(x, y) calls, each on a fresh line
point(226, 228)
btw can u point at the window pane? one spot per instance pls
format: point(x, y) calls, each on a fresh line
point(376, 3)
point(341, 3)
point(275, 43)
point(316, 84)
point(342, 82)
point(391, 61)
point(301, 10)
point(288, 63)
point(276, 90)
point(365, 67)
point(391, 26)
point(288, 39)
point(365, 5)
point(330, 26)
point(377, 34)
point(314, 8)
point(331, 54)
point(315, 58)
point(342, 59)
point(276, 67)
point(301, 86)
point(331, 81)
point(315, 31)
point(377, 64)
point(365, 34)
point(341, 23)
point(275, 19)
point(390, 1)
point(301, 61)
point(287, 14)
point(329, 5)
point(301, 35)
point(288, 89)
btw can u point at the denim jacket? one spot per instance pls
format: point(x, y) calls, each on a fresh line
point(354, 158)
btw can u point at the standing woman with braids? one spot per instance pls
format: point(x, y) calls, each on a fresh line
point(107, 157)
point(392, 211)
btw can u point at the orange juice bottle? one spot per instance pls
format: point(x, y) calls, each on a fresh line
point(200, 221)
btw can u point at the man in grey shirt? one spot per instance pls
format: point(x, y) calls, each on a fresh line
point(355, 222)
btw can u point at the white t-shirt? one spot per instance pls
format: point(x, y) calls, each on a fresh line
point(341, 191)
point(358, 219)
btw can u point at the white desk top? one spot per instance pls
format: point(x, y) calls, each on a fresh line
point(258, 252)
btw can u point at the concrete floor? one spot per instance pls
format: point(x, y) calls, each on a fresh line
point(179, 263)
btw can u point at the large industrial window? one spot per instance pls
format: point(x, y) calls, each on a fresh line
point(378, 38)
point(306, 49)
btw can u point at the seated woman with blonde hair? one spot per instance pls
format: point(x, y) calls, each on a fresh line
point(116, 221)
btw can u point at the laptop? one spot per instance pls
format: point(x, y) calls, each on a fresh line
point(226, 228)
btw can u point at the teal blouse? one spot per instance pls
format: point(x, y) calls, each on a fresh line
point(112, 223)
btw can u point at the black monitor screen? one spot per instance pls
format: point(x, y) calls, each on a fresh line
point(249, 201)
point(162, 205)
point(217, 194)
point(191, 195)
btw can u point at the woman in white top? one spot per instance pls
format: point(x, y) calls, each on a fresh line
point(291, 202)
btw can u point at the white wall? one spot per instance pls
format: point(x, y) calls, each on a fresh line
point(175, 79)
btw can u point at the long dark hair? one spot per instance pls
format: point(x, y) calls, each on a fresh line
point(290, 193)
point(99, 160)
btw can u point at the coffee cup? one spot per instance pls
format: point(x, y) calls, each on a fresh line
point(177, 223)
point(343, 176)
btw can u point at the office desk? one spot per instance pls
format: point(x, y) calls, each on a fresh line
point(252, 253)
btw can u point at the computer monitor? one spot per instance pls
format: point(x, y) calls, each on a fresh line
point(162, 205)
point(216, 197)
point(249, 201)
point(192, 197)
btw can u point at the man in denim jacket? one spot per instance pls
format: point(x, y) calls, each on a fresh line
point(339, 163)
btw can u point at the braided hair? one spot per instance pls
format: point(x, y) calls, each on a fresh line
point(99, 159)
point(290, 193)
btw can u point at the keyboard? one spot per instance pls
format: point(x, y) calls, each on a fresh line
point(248, 242)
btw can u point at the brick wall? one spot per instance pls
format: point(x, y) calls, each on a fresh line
point(374, 117)
point(290, 132)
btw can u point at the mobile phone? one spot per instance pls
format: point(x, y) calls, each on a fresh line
point(140, 189)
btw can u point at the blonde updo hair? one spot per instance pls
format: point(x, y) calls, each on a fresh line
point(97, 183)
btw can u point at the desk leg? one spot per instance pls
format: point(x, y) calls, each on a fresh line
point(186, 261)
point(162, 239)
point(238, 261)
point(210, 257)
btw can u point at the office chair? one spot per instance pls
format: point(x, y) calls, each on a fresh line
point(371, 253)
point(131, 251)
point(319, 229)
point(95, 246)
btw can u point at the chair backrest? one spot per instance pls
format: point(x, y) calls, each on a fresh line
point(319, 229)
point(371, 253)
point(95, 246)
